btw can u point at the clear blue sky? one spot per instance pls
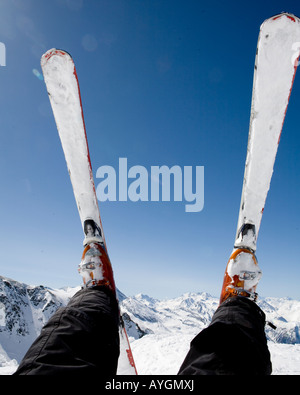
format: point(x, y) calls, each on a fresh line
point(163, 82)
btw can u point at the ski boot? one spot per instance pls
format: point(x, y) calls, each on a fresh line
point(95, 267)
point(242, 275)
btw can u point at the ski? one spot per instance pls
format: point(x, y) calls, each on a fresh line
point(274, 72)
point(276, 63)
point(64, 93)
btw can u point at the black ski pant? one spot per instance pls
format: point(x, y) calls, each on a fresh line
point(233, 344)
point(83, 337)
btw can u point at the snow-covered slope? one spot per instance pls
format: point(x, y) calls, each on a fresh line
point(160, 331)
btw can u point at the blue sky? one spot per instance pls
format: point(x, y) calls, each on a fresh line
point(163, 82)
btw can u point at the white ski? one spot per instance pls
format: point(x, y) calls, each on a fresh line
point(64, 93)
point(275, 67)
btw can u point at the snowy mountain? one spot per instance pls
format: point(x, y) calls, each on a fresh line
point(24, 309)
point(192, 312)
point(160, 331)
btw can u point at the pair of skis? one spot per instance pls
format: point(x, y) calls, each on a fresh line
point(275, 67)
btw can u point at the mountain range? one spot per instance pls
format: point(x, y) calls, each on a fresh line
point(159, 330)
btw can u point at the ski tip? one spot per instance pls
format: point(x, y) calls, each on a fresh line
point(53, 52)
point(289, 16)
point(285, 20)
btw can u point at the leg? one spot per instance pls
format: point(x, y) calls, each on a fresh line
point(82, 337)
point(233, 344)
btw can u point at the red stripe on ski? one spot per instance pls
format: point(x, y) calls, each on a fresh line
point(288, 16)
point(129, 353)
point(54, 52)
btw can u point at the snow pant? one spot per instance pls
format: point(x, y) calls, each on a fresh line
point(83, 337)
point(233, 344)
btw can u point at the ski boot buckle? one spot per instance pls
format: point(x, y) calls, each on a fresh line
point(233, 291)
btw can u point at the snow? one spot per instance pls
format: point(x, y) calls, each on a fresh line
point(2, 314)
point(163, 355)
point(160, 354)
point(285, 358)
